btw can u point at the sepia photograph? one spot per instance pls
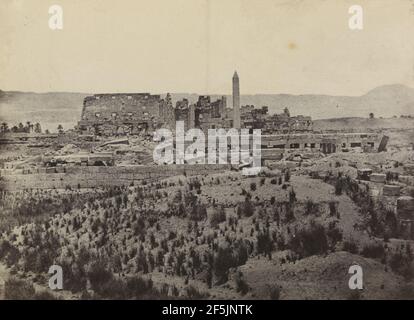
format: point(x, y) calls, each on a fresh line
point(210, 150)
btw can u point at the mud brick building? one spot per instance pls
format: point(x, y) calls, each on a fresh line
point(125, 113)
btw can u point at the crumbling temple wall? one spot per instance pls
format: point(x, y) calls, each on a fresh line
point(125, 113)
point(90, 177)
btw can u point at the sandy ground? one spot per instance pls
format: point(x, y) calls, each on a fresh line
point(320, 277)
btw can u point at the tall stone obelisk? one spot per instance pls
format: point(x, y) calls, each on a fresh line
point(236, 101)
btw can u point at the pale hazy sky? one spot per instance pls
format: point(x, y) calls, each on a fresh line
point(286, 46)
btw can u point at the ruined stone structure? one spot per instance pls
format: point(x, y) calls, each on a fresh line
point(81, 159)
point(409, 169)
point(391, 190)
point(122, 113)
point(98, 176)
point(210, 115)
point(327, 143)
point(236, 101)
point(204, 114)
point(135, 113)
point(274, 146)
point(25, 138)
point(253, 118)
point(186, 113)
point(299, 123)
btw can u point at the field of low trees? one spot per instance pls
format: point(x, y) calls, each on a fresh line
point(172, 238)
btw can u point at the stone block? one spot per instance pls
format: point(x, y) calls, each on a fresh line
point(391, 190)
point(377, 177)
point(405, 208)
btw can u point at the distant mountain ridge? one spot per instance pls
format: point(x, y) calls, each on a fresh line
point(53, 108)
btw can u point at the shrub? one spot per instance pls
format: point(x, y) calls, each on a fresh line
point(195, 294)
point(9, 252)
point(198, 212)
point(217, 217)
point(98, 275)
point(241, 284)
point(355, 295)
point(292, 196)
point(223, 261)
point(401, 264)
point(45, 295)
point(74, 281)
point(264, 244)
point(86, 295)
point(274, 292)
point(241, 253)
point(350, 246)
point(334, 234)
point(290, 214)
point(375, 251)
point(311, 208)
point(310, 241)
point(253, 186)
point(333, 210)
point(338, 187)
point(287, 176)
point(16, 289)
point(246, 208)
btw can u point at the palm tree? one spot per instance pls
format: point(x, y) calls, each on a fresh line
point(60, 128)
point(27, 128)
point(38, 128)
point(4, 127)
